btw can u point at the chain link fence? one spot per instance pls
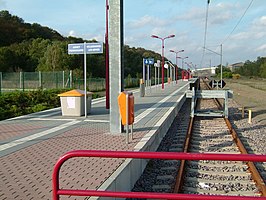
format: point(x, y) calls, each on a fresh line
point(25, 81)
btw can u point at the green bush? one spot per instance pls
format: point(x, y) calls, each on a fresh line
point(236, 76)
point(19, 103)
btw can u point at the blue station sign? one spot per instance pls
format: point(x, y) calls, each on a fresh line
point(148, 61)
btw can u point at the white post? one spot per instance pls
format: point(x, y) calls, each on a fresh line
point(159, 75)
point(40, 79)
point(148, 75)
point(63, 79)
point(155, 75)
point(249, 116)
point(127, 110)
point(71, 79)
point(221, 63)
point(171, 73)
point(85, 80)
point(143, 71)
point(174, 78)
point(20, 79)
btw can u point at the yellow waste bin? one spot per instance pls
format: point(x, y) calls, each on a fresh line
point(73, 103)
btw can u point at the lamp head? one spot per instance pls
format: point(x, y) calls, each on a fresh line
point(171, 36)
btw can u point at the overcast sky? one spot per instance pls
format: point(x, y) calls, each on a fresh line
point(142, 18)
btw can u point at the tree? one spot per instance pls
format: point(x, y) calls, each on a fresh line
point(253, 68)
point(55, 58)
point(6, 59)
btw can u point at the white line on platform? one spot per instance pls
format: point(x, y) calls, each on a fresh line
point(96, 121)
point(35, 136)
point(50, 119)
point(149, 110)
point(50, 114)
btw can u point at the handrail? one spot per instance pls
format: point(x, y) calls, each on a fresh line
point(149, 155)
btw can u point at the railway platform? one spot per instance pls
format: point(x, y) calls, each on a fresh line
point(30, 146)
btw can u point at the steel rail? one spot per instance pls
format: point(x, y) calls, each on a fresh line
point(251, 166)
point(181, 170)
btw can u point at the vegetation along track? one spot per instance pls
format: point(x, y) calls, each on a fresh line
point(212, 135)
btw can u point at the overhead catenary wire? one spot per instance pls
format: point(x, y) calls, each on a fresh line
point(205, 32)
point(237, 23)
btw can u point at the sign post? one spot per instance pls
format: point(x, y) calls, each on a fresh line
point(147, 61)
point(85, 48)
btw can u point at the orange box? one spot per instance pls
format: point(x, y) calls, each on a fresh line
point(122, 107)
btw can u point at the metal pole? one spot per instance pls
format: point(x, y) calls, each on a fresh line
point(147, 79)
point(63, 79)
point(176, 67)
point(174, 76)
point(171, 73)
point(155, 76)
point(127, 135)
point(85, 80)
point(158, 74)
point(23, 81)
point(182, 68)
point(167, 73)
point(148, 76)
point(20, 80)
point(40, 79)
point(71, 79)
point(107, 92)
point(221, 63)
point(116, 41)
point(143, 72)
point(1, 78)
point(162, 63)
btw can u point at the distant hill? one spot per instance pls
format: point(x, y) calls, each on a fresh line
point(15, 30)
point(32, 47)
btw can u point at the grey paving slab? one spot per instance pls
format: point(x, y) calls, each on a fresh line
point(30, 145)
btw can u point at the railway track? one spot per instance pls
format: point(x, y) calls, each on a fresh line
point(203, 135)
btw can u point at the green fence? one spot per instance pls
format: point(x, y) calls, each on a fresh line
point(23, 81)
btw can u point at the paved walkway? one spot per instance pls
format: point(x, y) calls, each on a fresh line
point(30, 145)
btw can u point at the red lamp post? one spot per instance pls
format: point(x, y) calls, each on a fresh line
point(183, 63)
point(176, 57)
point(155, 36)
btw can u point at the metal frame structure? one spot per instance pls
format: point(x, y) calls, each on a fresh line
point(149, 155)
point(209, 94)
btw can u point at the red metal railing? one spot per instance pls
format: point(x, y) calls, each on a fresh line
point(149, 155)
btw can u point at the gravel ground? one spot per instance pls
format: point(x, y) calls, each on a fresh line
point(253, 135)
point(251, 94)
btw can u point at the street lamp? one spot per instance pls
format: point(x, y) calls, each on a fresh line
point(176, 57)
point(182, 63)
point(155, 36)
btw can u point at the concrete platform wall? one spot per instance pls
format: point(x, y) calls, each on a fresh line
point(129, 172)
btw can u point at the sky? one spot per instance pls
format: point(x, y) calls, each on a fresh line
point(238, 26)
